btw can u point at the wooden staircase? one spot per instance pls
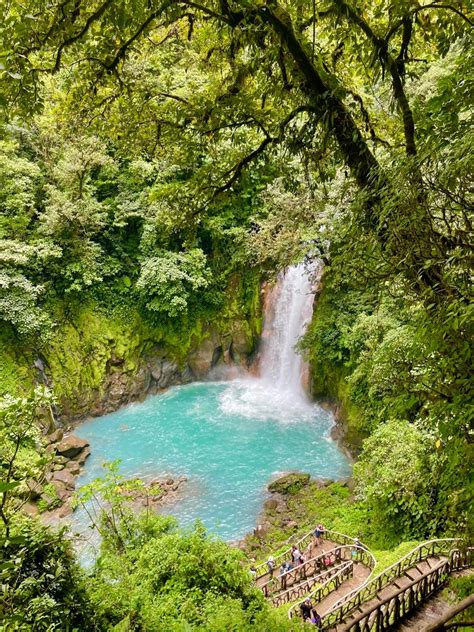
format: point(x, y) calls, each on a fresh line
point(340, 584)
point(385, 601)
point(341, 565)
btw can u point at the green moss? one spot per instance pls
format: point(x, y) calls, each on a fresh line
point(16, 364)
point(90, 341)
point(289, 484)
point(387, 557)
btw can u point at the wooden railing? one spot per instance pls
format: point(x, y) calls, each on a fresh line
point(358, 555)
point(321, 579)
point(302, 543)
point(330, 582)
point(341, 609)
point(305, 571)
point(389, 611)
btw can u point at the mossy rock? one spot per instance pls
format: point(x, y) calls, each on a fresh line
point(290, 483)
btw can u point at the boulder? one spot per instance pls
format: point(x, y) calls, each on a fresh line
point(292, 524)
point(65, 510)
point(200, 360)
point(261, 530)
point(71, 446)
point(56, 436)
point(62, 492)
point(65, 477)
point(31, 509)
point(290, 483)
point(82, 456)
point(73, 467)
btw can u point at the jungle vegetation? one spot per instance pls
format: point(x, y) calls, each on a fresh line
point(152, 151)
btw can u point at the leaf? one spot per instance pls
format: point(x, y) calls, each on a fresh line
point(6, 487)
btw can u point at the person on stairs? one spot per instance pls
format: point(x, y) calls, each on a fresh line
point(296, 555)
point(271, 565)
point(318, 534)
point(308, 613)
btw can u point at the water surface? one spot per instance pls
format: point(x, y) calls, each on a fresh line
point(229, 438)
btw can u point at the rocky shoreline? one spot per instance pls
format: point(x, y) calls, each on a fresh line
point(52, 498)
point(278, 516)
point(53, 492)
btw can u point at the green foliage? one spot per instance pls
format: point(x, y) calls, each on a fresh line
point(20, 453)
point(168, 282)
point(42, 587)
point(152, 576)
point(160, 159)
point(395, 479)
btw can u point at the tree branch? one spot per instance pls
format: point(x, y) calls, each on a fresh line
point(90, 20)
point(237, 169)
point(433, 5)
point(329, 106)
point(123, 49)
point(390, 63)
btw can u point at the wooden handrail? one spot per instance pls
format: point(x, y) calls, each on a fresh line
point(329, 534)
point(386, 612)
point(368, 590)
point(450, 614)
point(303, 589)
point(303, 571)
point(384, 618)
point(344, 571)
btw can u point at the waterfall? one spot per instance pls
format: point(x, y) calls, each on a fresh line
point(290, 309)
point(278, 392)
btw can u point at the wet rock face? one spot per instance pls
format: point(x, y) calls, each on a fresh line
point(157, 370)
point(200, 361)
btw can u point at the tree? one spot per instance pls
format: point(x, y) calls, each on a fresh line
point(150, 575)
point(19, 431)
point(311, 71)
point(394, 479)
point(168, 282)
